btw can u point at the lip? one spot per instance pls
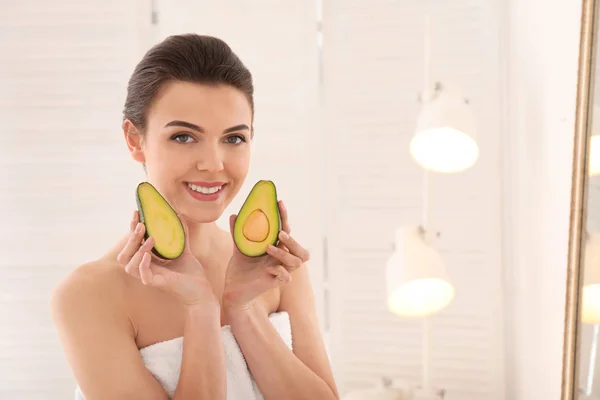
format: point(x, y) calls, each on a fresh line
point(205, 197)
point(207, 184)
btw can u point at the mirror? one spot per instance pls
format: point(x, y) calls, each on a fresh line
point(581, 368)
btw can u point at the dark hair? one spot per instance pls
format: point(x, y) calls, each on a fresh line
point(187, 57)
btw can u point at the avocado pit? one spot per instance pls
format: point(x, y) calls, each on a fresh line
point(256, 226)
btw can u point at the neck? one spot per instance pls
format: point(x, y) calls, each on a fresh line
point(202, 236)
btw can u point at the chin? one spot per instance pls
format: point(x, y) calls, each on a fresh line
point(202, 214)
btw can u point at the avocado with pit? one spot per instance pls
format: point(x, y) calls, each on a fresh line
point(258, 223)
point(161, 221)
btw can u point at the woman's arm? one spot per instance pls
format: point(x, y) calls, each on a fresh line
point(99, 341)
point(203, 363)
point(280, 373)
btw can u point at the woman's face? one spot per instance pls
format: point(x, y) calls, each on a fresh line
point(196, 147)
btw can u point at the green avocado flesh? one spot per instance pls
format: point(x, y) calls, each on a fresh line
point(258, 223)
point(162, 222)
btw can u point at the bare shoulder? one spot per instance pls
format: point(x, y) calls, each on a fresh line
point(89, 311)
point(93, 273)
point(98, 283)
point(92, 295)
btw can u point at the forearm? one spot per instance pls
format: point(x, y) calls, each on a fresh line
point(203, 374)
point(275, 368)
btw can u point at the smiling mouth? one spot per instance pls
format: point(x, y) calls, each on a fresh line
point(206, 190)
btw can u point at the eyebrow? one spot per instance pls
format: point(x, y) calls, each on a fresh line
point(199, 129)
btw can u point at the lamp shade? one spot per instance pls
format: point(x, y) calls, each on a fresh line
point(445, 137)
point(417, 281)
point(590, 308)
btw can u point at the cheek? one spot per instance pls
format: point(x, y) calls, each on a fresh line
point(239, 163)
point(165, 162)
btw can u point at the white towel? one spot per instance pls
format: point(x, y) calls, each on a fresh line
point(163, 360)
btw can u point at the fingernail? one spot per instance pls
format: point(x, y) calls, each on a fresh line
point(272, 248)
point(283, 235)
point(138, 228)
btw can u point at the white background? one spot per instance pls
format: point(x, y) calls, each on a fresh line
point(333, 128)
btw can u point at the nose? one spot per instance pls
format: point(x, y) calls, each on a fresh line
point(211, 160)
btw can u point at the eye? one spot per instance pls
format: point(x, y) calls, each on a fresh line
point(182, 138)
point(235, 139)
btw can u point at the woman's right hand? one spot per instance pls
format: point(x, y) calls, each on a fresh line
point(183, 277)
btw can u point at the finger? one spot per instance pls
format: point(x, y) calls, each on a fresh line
point(290, 261)
point(133, 266)
point(155, 274)
point(132, 245)
point(134, 221)
point(285, 225)
point(280, 274)
point(145, 272)
point(294, 247)
point(158, 260)
point(281, 245)
point(151, 274)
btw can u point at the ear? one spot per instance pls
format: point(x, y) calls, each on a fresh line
point(133, 139)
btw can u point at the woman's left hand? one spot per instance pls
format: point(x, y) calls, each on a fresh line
point(249, 277)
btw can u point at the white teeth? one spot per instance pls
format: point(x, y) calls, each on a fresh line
point(204, 190)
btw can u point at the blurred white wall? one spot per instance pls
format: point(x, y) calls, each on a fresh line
point(66, 186)
point(373, 72)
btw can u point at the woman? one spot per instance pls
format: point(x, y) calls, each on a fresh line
point(188, 120)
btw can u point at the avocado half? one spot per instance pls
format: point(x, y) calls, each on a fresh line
point(162, 222)
point(258, 223)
